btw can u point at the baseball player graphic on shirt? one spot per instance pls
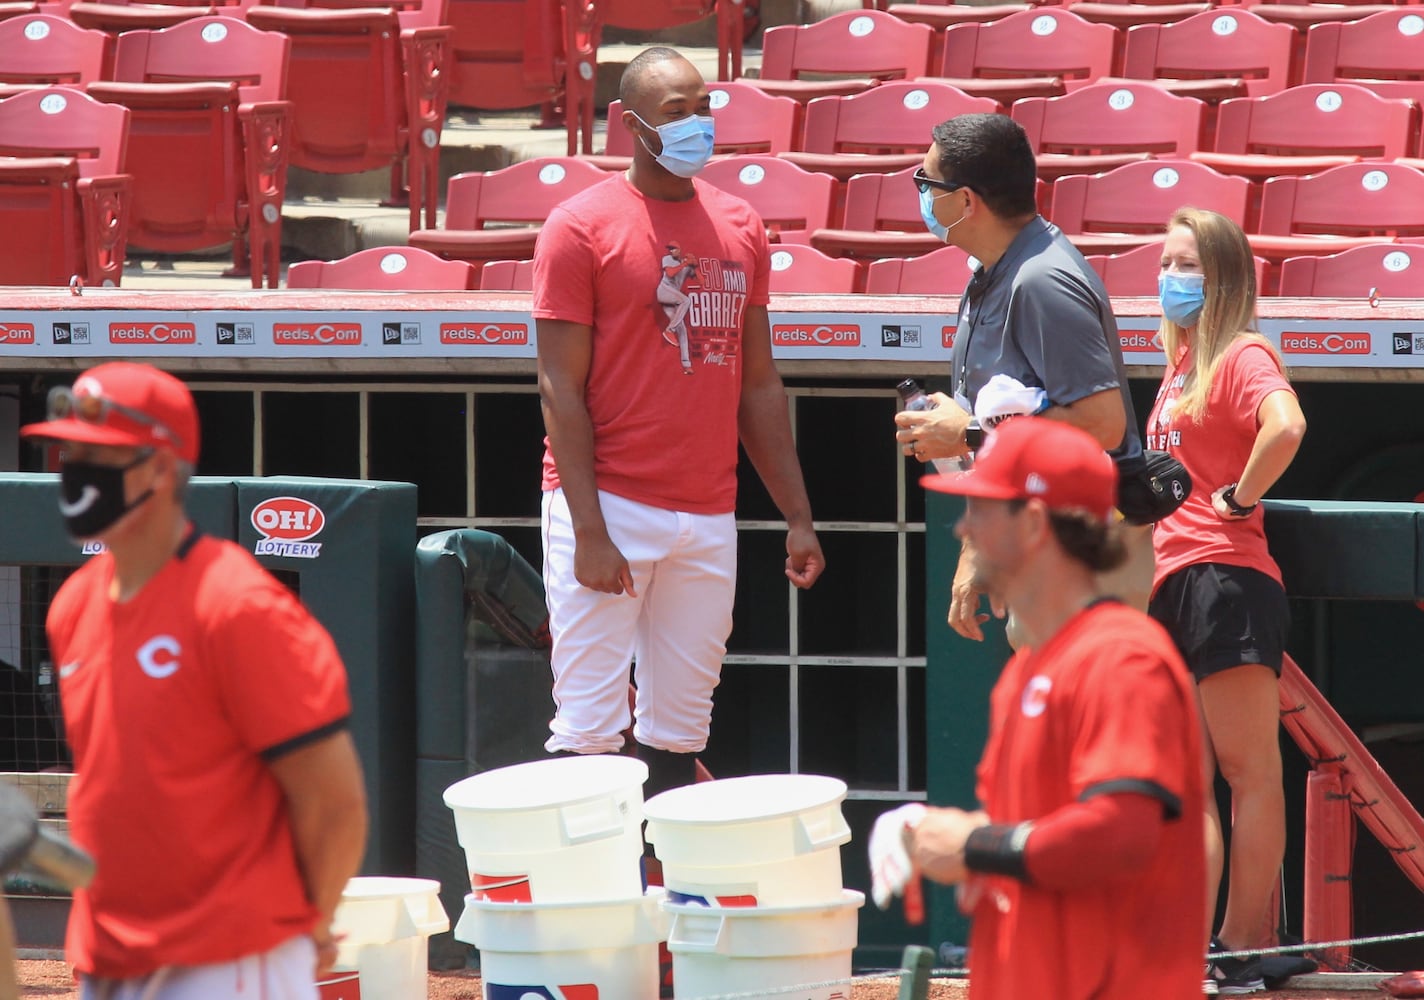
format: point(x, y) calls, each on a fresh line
point(677, 268)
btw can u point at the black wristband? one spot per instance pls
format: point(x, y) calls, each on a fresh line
point(1228, 497)
point(998, 849)
point(974, 435)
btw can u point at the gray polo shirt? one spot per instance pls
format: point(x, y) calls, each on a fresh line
point(1042, 316)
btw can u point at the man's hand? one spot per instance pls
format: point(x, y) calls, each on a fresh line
point(325, 943)
point(936, 433)
point(891, 870)
point(937, 843)
point(599, 565)
point(964, 614)
point(804, 561)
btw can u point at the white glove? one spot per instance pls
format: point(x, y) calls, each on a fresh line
point(890, 865)
point(1004, 396)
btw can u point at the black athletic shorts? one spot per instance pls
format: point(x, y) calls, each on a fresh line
point(1223, 616)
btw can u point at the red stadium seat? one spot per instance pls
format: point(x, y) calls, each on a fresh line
point(18, 8)
point(1059, 49)
point(42, 49)
point(1353, 205)
point(1134, 273)
point(792, 202)
point(882, 219)
point(1126, 207)
point(1214, 55)
point(367, 94)
point(799, 268)
point(118, 16)
point(507, 275)
point(866, 45)
point(1383, 52)
point(886, 128)
point(395, 269)
point(748, 120)
point(519, 197)
point(1123, 14)
point(64, 197)
point(506, 53)
point(657, 15)
point(1303, 16)
point(209, 158)
point(1308, 128)
point(944, 271)
point(1382, 269)
point(943, 15)
point(1108, 125)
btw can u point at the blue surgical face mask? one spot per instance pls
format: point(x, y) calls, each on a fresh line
point(1182, 296)
point(927, 212)
point(687, 144)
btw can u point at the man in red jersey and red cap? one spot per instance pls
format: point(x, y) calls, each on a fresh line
point(216, 784)
point(1082, 869)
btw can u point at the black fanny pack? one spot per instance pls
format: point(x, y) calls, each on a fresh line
point(1150, 488)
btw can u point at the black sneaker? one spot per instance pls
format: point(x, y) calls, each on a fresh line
point(1233, 976)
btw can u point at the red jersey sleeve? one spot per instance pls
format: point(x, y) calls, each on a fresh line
point(1248, 375)
point(277, 668)
point(565, 266)
point(1133, 728)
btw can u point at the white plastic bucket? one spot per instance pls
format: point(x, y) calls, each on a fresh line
point(382, 925)
point(598, 951)
point(761, 840)
point(563, 830)
point(774, 949)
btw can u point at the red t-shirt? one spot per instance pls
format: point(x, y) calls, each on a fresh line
point(622, 263)
point(1214, 449)
point(169, 701)
point(1085, 715)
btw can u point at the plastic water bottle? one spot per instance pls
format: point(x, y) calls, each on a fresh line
point(914, 397)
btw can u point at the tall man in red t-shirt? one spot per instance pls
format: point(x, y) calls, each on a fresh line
point(216, 784)
point(643, 411)
point(1083, 868)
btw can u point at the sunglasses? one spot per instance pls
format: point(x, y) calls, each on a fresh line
point(63, 404)
point(924, 182)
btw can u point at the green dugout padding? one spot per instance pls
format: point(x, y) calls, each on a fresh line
point(350, 543)
point(484, 691)
point(1329, 551)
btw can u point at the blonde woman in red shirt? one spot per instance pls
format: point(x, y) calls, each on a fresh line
point(1226, 411)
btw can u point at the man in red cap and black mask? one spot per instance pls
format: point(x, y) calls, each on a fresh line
point(216, 785)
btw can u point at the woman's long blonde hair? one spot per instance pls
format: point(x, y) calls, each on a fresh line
point(1229, 269)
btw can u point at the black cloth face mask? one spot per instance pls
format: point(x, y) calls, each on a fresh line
point(91, 496)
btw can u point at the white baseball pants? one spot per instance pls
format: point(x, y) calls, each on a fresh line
point(684, 568)
point(287, 972)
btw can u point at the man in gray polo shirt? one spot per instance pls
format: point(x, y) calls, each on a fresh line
point(1034, 311)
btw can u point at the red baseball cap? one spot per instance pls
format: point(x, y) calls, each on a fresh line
point(125, 405)
point(1029, 457)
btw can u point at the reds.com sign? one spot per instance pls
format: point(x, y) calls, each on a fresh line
point(17, 333)
point(825, 335)
point(316, 334)
point(287, 525)
point(153, 333)
point(1325, 343)
point(480, 334)
point(1141, 342)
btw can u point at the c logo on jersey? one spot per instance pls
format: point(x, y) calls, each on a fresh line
point(159, 657)
point(584, 991)
point(1035, 696)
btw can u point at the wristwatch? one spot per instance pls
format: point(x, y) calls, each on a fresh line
point(1228, 497)
point(974, 435)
